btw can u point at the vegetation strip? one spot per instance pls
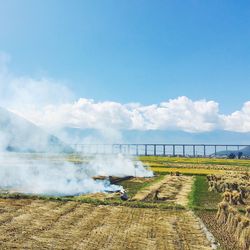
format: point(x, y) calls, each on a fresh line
point(197, 161)
point(200, 197)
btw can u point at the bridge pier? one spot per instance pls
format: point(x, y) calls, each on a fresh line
point(173, 150)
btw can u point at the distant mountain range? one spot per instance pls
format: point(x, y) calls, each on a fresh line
point(244, 151)
point(74, 135)
point(19, 135)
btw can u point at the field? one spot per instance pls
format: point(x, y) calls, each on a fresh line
point(171, 189)
point(230, 223)
point(176, 209)
point(41, 224)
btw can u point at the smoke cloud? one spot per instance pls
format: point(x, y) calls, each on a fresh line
point(43, 176)
point(118, 166)
point(29, 98)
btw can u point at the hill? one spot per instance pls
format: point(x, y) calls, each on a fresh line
point(19, 135)
point(75, 135)
point(245, 152)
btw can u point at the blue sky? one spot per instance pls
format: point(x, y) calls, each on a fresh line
point(133, 51)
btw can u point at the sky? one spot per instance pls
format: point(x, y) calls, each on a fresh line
point(158, 59)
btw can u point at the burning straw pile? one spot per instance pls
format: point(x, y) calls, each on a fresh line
point(236, 192)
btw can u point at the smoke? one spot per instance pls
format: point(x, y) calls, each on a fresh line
point(34, 176)
point(118, 166)
point(43, 176)
point(29, 174)
point(33, 97)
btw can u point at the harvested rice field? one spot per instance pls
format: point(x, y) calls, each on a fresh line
point(180, 207)
point(173, 189)
point(222, 202)
point(185, 170)
point(41, 224)
point(226, 238)
point(195, 165)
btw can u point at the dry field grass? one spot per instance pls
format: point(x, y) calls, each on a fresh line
point(40, 224)
point(173, 189)
point(195, 165)
point(184, 170)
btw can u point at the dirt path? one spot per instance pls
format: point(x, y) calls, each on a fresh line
point(35, 224)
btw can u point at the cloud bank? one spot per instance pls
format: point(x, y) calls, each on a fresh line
point(181, 113)
point(49, 103)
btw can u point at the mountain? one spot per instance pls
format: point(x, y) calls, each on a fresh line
point(19, 135)
point(75, 135)
point(244, 151)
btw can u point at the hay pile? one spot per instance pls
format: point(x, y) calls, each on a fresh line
point(235, 187)
point(236, 223)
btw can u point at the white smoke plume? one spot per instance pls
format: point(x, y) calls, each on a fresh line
point(29, 97)
point(43, 176)
point(118, 166)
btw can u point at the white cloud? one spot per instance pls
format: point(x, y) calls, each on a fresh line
point(181, 113)
point(239, 120)
point(49, 103)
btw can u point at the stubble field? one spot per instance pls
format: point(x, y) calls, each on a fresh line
point(163, 212)
point(41, 224)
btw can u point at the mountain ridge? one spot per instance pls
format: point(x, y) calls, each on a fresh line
point(20, 135)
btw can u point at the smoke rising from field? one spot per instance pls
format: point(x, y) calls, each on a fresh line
point(25, 96)
point(43, 173)
point(47, 176)
point(118, 165)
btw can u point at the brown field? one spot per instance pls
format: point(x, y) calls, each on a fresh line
point(173, 189)
point(41, 224)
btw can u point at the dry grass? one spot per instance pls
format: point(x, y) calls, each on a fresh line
point(173, 189)
point(234, 186)
point(36, 224)
point(196, 165)
point(182, 196)
point(100, 196)
point(149, 190)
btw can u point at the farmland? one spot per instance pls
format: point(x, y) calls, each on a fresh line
point(33, 224)
point(195, 166)
point(172, 210)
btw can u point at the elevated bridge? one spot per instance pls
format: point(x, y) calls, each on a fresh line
point(185, 150)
